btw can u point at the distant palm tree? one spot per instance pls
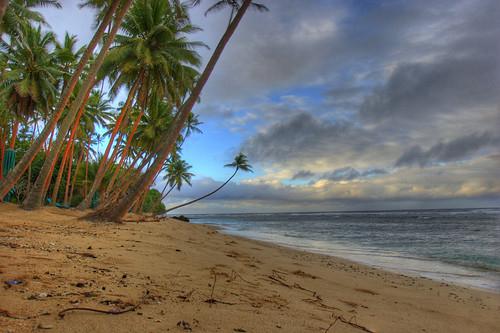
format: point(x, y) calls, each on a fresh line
point(240, 163)
point(177, 174)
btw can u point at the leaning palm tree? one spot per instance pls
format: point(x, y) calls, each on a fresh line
point(36, 196)
point(169, 139)
point(151, 52)
point(15, 174)
point(240, 163)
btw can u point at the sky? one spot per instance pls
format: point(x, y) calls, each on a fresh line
point(344, 105)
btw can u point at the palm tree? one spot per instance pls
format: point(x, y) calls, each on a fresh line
point(240, 163)
point(37, 194)
point(15, 174)
point(18, 12)
point(177, 174)
point(169, 139)
point(151, 51)
point(30, 77)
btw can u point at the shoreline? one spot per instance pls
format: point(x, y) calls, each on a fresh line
point(189, 277)
point(403, 271)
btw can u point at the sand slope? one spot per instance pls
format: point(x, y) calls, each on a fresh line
point(192, 278)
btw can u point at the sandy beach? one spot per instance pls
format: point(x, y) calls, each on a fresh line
point(173, 276)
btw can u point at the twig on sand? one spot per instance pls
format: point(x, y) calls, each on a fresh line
point(5, 313)
point(212, 300)
point(62, 313)
point(113, 312)
point(349, 322)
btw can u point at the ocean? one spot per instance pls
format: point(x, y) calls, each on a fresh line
point(460, 246)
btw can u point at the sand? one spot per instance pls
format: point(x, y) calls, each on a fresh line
point(178, 277)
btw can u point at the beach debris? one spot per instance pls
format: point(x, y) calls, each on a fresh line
point(185, 297)
point(239, 330)
point(351, 322)
point(80, 284)
point(304, 274)
point(184, 325)
point(212, 300)
point(45, 326)
point(115, 311)
point(14, 282)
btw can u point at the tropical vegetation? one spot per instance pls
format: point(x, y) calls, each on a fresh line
point(68, 139)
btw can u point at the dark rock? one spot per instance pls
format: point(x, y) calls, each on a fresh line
point(181, 218)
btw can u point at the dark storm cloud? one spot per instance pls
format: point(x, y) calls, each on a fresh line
point(350, 173)
point(304, 136)
point(303, 174)
point(417, 90)
point(455, 150)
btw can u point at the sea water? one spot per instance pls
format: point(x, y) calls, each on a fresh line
point(460, 246)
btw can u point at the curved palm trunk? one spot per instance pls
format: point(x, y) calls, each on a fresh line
point(118, 211)
point(125, 151)
point(75, 176)
point(101, 171)
point(206, 195)
point(37, 194)
point(68, 177)
point(57, 184)
point(15, 129)
point(55, 191)
point(2, 150)
point(30, 154)
point(162, 197)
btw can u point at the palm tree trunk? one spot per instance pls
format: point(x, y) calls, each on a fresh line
point(206, 195)
point(166, 194)
point(71, 139)
point(75, 175)
point(2, 150)
point(37, 194)
point(86, 170)
point(57, 184)
point(68, 177)
point(49, 143)
point(125, 150)
point(15, 174)
point(3, 8)
point(15, 129)
point(102, 166)
point(167, 141)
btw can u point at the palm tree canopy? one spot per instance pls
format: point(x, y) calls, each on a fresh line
point(21, 12)
point(233, 4)
point(240, 162)
point(153, 42)
point(178, 173)
point(31, 73)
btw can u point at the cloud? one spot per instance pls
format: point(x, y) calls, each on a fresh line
point(418, 90)
point(455, 150)
point(304, 136)
point(349, 173)
point(303, 174)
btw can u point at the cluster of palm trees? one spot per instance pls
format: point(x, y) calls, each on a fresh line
point(56, 104)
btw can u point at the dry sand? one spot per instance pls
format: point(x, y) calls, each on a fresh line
point(190, 278)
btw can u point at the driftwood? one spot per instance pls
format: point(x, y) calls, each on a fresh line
point(112, 312)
